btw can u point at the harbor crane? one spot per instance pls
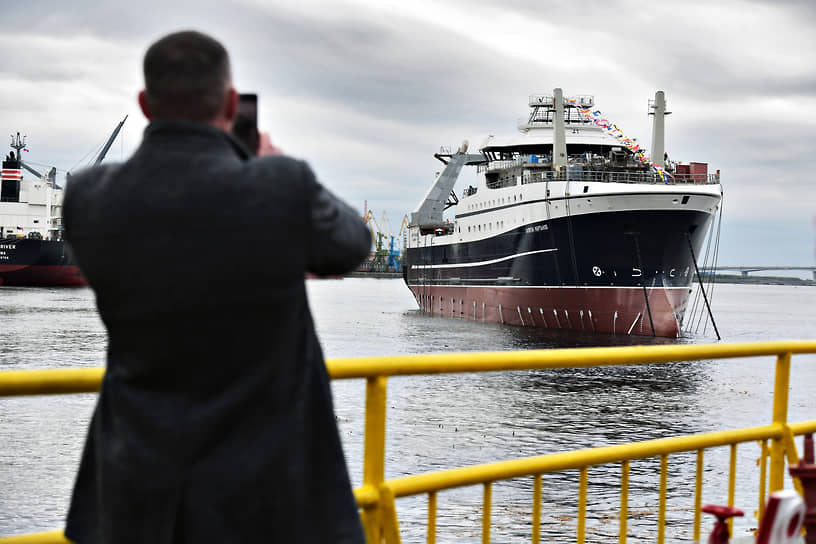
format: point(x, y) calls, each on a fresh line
point(385, 258)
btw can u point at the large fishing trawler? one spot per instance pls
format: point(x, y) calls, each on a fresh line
point(570, 226)
point(32, 251)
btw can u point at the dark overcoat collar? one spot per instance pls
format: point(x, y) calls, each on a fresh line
point(201, 135)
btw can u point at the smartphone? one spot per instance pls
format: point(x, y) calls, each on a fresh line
point(245, 128)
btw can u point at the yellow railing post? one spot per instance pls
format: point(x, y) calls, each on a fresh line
point(780, 417)
point(431, 539)
point(487, 508)
point(661, 507)
point(583, 482)
point(698, 494)
point(732, 484)
point(763, 477)
point(536, 508)
point(624, 502)
point(374, 456)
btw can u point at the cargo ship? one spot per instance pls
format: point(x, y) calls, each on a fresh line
point(32, 250)
point(571, 225)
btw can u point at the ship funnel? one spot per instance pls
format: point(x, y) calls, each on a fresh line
point(658, 108)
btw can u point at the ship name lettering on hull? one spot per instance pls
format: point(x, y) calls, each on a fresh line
point(536, 228)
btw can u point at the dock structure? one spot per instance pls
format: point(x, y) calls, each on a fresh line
point(747, 269)
point(377, 495)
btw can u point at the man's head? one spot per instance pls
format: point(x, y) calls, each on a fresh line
point(187, 76)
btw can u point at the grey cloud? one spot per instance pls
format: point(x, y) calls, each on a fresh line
point(371, 96)
point(382, 69)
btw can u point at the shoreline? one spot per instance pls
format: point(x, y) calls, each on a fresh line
point(758, 280)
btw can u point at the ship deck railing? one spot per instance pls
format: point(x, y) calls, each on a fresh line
point(542, 172)
point(377, 495)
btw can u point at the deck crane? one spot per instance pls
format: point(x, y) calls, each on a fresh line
point(108, 144)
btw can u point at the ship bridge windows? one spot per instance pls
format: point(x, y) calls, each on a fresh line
point(497, 180)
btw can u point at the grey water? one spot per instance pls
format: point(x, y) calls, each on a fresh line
point(444, 421)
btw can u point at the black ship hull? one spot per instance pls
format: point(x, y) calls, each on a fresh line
point(29, 262)
point(624, 272)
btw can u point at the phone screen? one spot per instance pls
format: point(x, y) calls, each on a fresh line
point(245, 128)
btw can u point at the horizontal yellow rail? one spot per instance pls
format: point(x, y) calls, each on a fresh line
point(442, 363)
point(376, 496)
point(555, 462)
point(51, 537)
point(88, 380)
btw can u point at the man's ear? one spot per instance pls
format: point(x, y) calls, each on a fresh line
point(143, 104)
point(231, 105)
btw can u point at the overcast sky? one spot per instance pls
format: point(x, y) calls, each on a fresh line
point(368, 90)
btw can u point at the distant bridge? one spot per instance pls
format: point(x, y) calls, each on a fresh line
point(746, 269)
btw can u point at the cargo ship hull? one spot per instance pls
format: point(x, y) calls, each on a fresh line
point(38, 263)
point(627, 272)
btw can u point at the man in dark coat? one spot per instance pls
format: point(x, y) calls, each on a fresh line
point(215, 420)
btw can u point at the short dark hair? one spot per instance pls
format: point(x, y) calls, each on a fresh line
point(187, 76)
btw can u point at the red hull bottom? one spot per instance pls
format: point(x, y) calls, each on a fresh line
point(42, 276)
point(608, 310)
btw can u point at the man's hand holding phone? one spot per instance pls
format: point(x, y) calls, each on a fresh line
point(266, 147)
point(245, 128)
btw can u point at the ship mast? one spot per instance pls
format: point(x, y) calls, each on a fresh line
point(658, 107)
point(18, 144)
point(559, 140)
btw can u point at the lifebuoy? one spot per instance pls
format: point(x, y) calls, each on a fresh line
point(783, 518)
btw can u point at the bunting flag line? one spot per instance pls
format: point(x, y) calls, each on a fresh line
point(597, 118)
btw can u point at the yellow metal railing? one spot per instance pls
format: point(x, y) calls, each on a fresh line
point(377, 495)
